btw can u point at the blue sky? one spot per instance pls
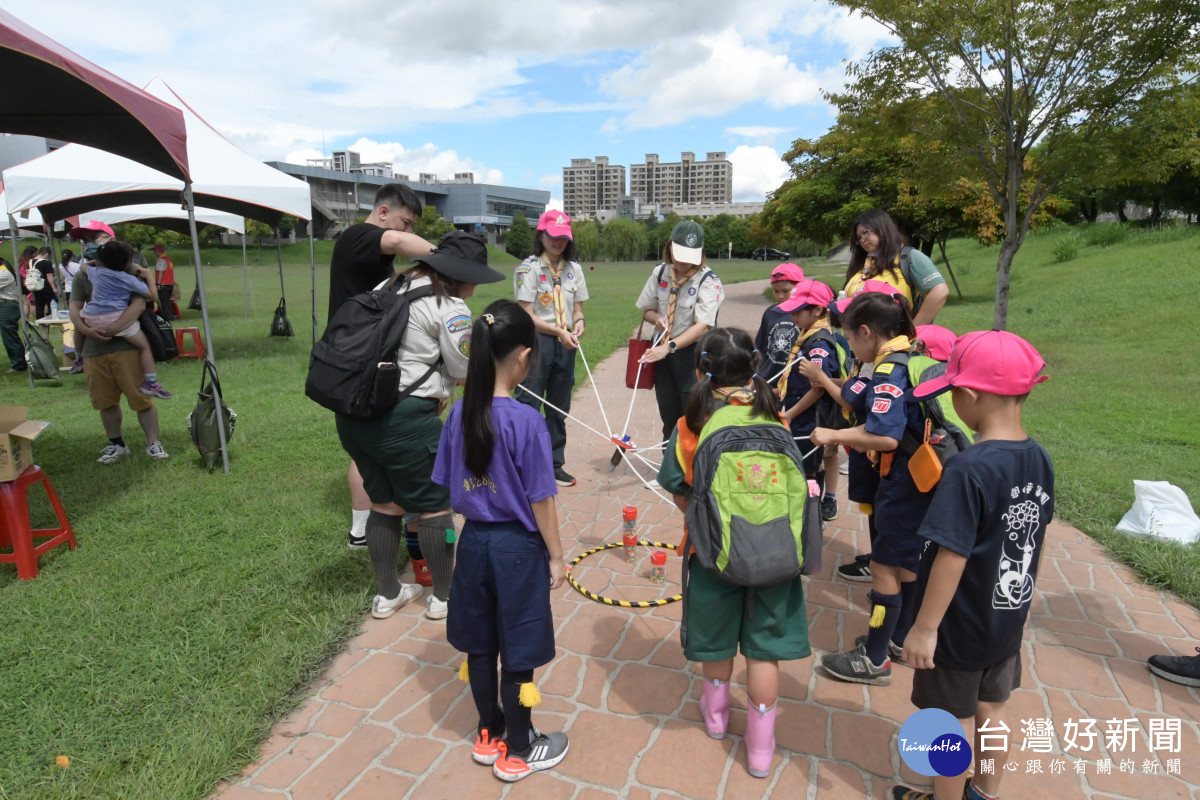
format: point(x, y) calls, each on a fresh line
point(511, 91)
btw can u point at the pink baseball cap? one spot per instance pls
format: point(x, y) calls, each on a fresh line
point(556, 224)
point(872, 285)
point(938, 341)
point(807, 292)
point(789, 272)
point(91, 228)
point(997, 362)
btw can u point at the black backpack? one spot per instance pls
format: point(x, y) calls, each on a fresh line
point(159, 334)
point(352, 370)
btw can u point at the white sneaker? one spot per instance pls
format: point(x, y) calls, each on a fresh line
point(110, 454)
point(436, 609)
point(382, 608)
point(155, 450)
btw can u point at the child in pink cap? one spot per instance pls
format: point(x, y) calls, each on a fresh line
point(776, 332)
point(985, 527)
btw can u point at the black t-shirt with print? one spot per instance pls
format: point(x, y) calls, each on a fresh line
point(991, 506)
point(357, 265)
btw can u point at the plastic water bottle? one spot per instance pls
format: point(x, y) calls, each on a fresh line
point(658, 567)
point(54, 309)
point(629, 539)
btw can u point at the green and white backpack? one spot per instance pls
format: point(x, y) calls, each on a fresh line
point(747, 518)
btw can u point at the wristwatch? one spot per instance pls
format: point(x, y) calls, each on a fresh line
point(671, 345)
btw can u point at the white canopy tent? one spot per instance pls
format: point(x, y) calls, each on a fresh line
point(28, 220)
point(76, 179)
point(164, 215)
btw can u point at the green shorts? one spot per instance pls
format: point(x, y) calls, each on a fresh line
point(395, 454)
point(775, 628)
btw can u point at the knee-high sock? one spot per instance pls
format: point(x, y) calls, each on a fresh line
point(485, 691)
point(439, 554)
point(516, 715)
point(885, 611)
point(383, 543)
point(908, 612)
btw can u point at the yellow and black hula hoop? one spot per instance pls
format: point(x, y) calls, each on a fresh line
point(608, 601)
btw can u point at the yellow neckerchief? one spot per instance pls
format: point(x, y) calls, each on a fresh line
point(673, 298)
point(560, 310)
point(901, 344)
point(822, 325)
point(735, 395)
point(892, 276)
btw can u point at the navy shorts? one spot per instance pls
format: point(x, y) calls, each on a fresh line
point(500, 595)
point(899, 510)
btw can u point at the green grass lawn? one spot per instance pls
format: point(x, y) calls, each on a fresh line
point(158, 655)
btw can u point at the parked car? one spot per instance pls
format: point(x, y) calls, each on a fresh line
point(770, 254)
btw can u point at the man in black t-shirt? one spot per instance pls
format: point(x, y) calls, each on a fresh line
point(364, 253)
point(362, 259)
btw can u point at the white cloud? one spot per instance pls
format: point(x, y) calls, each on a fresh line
point(555, 204)
point(756, 171)
point(719, 74)
point(550, 181)
point(759, 134)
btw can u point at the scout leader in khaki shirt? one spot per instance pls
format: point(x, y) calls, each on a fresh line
point(533, 286)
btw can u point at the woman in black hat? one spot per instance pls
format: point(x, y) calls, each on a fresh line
point(395, 454)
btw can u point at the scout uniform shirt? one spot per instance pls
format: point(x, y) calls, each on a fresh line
point(697, 300)
point(437, 328)
point(533, 282)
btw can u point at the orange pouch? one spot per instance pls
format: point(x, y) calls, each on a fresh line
point(925, 466)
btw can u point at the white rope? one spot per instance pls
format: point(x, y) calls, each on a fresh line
point(595, 388)
point(786, 367)
point(636, 381)
point(548, 404)
point(645, 482)
point(644, 460)
point(810, 452)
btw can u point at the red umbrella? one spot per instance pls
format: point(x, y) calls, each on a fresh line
point(55, 93)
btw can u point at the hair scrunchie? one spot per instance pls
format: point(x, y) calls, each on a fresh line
point(489, 319)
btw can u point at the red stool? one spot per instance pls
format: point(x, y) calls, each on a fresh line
point(17, 531)
point(197, 349)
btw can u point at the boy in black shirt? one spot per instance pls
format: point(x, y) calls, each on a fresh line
point(984, 530)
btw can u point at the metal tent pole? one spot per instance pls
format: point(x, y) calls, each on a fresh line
point(312, 260)
point(245, 279)
point(209, 358)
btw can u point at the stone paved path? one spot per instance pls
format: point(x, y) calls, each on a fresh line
point(389, 719)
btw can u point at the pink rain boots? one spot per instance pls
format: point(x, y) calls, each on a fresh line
point(714, 706)
point(760, 739)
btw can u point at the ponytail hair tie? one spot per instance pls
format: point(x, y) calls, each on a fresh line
point(703, 352)
point(708, 375)
point(489, 319)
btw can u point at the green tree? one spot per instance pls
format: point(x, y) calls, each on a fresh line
point(519, 239)
point(258, 231)
point(623, 240)
point(430, 226)
point(586, 235)
point(1013, 74)
point(287, 224)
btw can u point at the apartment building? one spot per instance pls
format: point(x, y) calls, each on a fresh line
point(590, 186)
point(686, 181)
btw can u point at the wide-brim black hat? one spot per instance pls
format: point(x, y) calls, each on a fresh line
point(462, 257)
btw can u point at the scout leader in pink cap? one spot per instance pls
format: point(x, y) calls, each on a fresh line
point(551, 287)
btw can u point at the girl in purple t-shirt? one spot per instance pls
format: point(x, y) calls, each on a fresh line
point(494, 455)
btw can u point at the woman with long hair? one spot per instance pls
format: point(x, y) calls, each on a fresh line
point(878, 251)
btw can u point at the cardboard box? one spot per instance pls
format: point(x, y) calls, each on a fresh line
point(16, 440)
